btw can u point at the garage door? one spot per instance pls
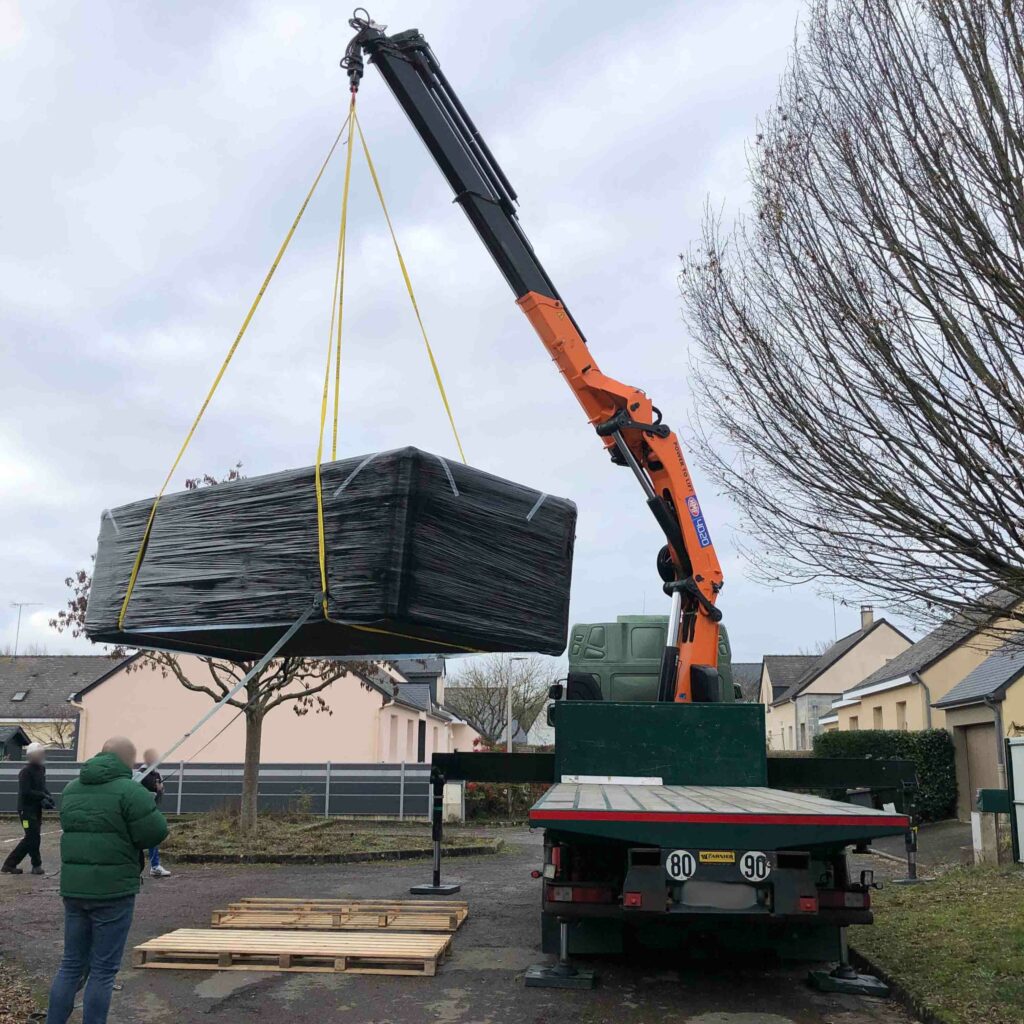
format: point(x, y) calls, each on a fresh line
point(982, 767)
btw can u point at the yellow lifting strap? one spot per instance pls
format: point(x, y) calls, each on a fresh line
point(220, 373)
point(333, 349)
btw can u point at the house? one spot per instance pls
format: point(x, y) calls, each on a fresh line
point(905, 693)
point(378, 715)
point(803, 687)
point(36, 692)
point(984, 708)
point(13, 741)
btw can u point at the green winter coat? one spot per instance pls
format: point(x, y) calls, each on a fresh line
point(107, 819)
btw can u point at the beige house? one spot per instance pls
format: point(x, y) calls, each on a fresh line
point(982, 710)
point(395, 714)
point(802, 688)
point(907, 692)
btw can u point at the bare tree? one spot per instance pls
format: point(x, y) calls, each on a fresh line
point(862, 384)
point(478, 693)
point(298, 681)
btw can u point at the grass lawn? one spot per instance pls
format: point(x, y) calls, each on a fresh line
point(955, 944)
point(299, 835)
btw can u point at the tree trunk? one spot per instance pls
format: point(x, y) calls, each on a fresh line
point(250, 774)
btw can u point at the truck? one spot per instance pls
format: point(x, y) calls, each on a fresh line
point(665, 821)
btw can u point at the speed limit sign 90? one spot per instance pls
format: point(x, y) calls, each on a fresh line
point(755, 866)
point(680, 865)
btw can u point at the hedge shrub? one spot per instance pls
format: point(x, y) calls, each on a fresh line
point(931, 750)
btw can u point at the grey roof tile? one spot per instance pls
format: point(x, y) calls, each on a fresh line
point(990, 679)
point(47, 680)
point(940, 640)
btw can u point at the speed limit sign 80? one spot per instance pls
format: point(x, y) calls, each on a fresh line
point(680, 865)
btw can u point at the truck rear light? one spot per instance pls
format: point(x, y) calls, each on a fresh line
point(844, 899)
point(535, 873)
point(808, 904)
point(556, 857)
point(632, 899)
point(580, 894)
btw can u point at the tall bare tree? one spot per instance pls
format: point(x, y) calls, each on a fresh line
point(478, 691)
point(298, 681)
point(862, 382)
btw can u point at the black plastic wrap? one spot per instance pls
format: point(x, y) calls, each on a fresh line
point(427, 555)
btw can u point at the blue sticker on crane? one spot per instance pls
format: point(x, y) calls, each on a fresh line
point(693, 505)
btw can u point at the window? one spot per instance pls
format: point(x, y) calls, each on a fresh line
point(791, 744)
point(393, 738)
point(876, 714)
point(854, 723)
point(803, 735)
point(410, 741)
point(433, 738)
point(901, 715)
point(20, 695)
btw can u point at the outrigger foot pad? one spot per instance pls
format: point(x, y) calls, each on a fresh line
point(849, 981)
point(435, 890)
point(559, 976)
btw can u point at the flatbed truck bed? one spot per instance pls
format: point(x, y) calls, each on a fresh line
point(733, 817)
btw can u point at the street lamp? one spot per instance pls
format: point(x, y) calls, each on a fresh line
point(508, 707)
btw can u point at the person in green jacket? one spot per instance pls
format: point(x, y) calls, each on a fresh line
point(108, 820)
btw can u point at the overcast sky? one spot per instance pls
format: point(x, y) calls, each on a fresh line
point(156, 154)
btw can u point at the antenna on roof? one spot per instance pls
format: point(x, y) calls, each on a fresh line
point(17, 630)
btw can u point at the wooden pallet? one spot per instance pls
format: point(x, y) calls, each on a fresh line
point(194, 949)
point(457, 908)
point(242, 915)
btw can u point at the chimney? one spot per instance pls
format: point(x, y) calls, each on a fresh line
point(867, 615)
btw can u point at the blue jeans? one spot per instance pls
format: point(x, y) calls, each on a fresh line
point(95, 933)
point(154, 857)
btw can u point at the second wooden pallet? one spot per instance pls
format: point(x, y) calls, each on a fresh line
point(458, 908)
point(242, 915)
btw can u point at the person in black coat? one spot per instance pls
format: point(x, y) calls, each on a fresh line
point(33, 799)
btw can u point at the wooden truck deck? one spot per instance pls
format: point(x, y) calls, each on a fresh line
point(734, 817)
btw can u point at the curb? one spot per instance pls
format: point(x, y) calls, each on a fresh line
point(365, 856)
point(919, 1010)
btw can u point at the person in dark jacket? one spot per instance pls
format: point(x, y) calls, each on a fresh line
point(33, 799)
point(154, 782)
point(108, 819)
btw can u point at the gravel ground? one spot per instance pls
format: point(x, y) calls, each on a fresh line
point(481, 984)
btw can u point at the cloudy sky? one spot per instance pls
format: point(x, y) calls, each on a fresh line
point(156, 154)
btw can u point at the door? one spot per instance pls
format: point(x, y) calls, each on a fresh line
point(421, 742)
point(982, 764)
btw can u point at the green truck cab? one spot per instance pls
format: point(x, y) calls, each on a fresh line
point(623, 659)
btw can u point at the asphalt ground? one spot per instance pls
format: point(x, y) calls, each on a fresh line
point(482, 983)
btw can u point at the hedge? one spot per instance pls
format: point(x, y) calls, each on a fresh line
point(931, 750)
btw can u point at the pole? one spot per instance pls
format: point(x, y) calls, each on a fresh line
point(17, 629)
point(436, 888)
point(181, 782)
point(401, 793)
point(327, 792)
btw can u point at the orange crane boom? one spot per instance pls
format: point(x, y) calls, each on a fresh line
point(623, 416)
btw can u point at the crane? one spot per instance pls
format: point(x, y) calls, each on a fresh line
point(626, 420)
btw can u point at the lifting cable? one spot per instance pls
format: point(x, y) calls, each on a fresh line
point(141, 554)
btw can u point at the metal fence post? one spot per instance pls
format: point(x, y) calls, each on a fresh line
point(327, 793)
point(181, 782)
point(401, 793)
